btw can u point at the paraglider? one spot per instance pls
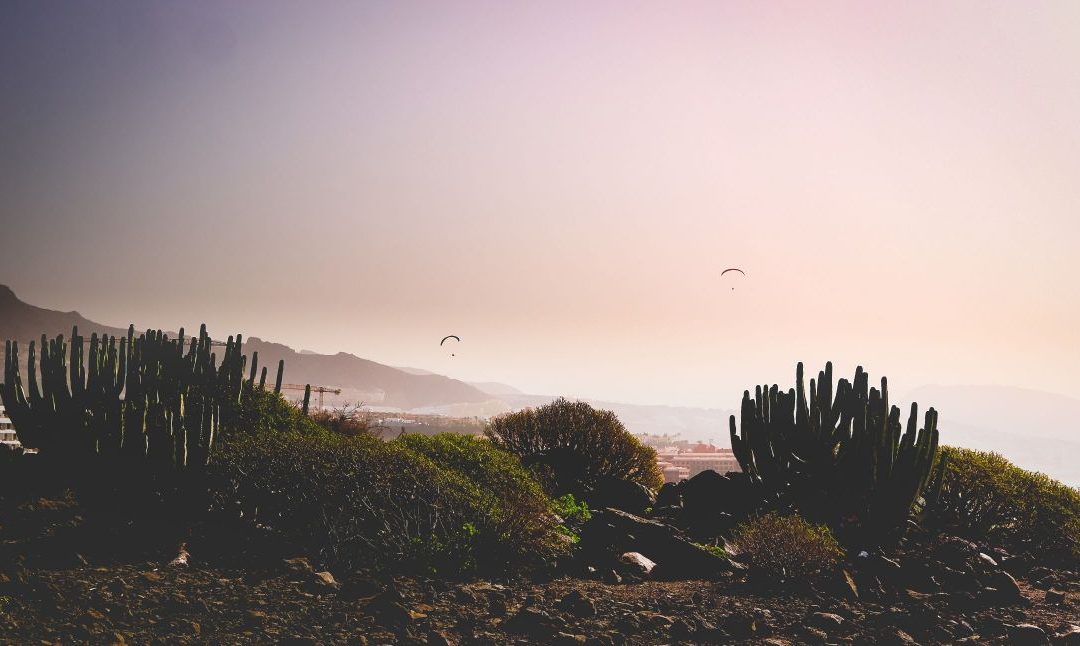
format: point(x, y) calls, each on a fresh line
point(450, 336)
point(732, 269)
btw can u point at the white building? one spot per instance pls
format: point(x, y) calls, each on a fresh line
point(8, 439)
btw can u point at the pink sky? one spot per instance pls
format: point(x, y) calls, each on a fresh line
point(561, 184)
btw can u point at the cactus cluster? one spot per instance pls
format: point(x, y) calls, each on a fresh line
point(843, 455)
point(147, 397)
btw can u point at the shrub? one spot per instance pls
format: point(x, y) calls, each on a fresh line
point(358, 501)
point(576, 444)
point(986, 497)
point(347, 420)
point(780, 547)
point(517, 517)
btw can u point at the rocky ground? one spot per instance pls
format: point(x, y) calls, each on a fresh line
point(61, 595)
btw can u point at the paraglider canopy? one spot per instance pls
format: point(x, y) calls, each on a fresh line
point(450, 336)
point(732, 269)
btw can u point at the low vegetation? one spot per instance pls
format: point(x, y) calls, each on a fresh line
point(986, 497)
point(572, 446)
point(446, 504)
point(779, 547)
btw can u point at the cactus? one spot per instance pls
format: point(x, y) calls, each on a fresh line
point(843, 456)
point(307, 399)
point(174, 404)
point(280, 372)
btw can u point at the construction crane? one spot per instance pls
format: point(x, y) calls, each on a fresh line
point(315, 389)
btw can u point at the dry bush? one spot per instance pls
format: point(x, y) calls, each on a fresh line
point(781, 547)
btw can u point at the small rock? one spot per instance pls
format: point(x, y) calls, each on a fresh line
point(987, 560)
point(681, 630)
point(299, 565)
point(388, 611)
point(567, 639)
point(435, 638)
point(578, 604)
point(611, 576)
point(637, 564)
point(827, 621)
point(1025, 634)
point(533, 623)
point(324, 581)
point(1054, 596)
point(255, 617)
point(1070, 636)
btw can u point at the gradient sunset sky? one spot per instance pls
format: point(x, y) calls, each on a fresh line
point(561, 184)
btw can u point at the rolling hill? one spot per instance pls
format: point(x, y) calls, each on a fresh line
point(365, 380)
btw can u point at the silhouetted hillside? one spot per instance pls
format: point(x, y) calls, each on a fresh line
point(382, 385)
point(24, 322)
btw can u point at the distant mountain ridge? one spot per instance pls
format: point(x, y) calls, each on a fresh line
point(390, 386)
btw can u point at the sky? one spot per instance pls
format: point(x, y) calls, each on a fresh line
point(561, 185)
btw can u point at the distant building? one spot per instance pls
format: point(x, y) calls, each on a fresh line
point(8, 439)
point(694, 462)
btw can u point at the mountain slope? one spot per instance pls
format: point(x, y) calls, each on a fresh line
point(371, 381)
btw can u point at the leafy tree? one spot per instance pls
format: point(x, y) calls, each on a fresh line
point(576, 444)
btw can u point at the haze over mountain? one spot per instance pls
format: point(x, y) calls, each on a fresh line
point(365, 380)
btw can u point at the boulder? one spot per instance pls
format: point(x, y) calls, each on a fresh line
point(620, 494)
point(668, 496)
point(617, 532)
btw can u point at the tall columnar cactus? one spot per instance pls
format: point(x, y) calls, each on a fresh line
point(307, 399)
point(844, 455)
point(280, 373)
point(144, 398)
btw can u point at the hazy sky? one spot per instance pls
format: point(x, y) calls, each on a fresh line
point(561, 184)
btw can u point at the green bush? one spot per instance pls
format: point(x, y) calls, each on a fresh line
point(575, 445)
point(987, 498)
point(356, 501)
point(778, 547)
point(517, 522)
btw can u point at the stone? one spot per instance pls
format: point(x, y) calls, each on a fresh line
point(388, 611)
point(636, 564)
point(955, 552)
point(1008, 591)
point(359, 587)
point(681, 630)
point(620, 494)
point(578, 604)
point(675, 556)
point(1069, 636)
point(435, 638)
point(1054, 597)
point(987, 560)
point(324, 582)
point(668, 496)
point(567, 639)
point(1026, 635)
point(299, 565)
point(533, 623)
point(828, 621)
